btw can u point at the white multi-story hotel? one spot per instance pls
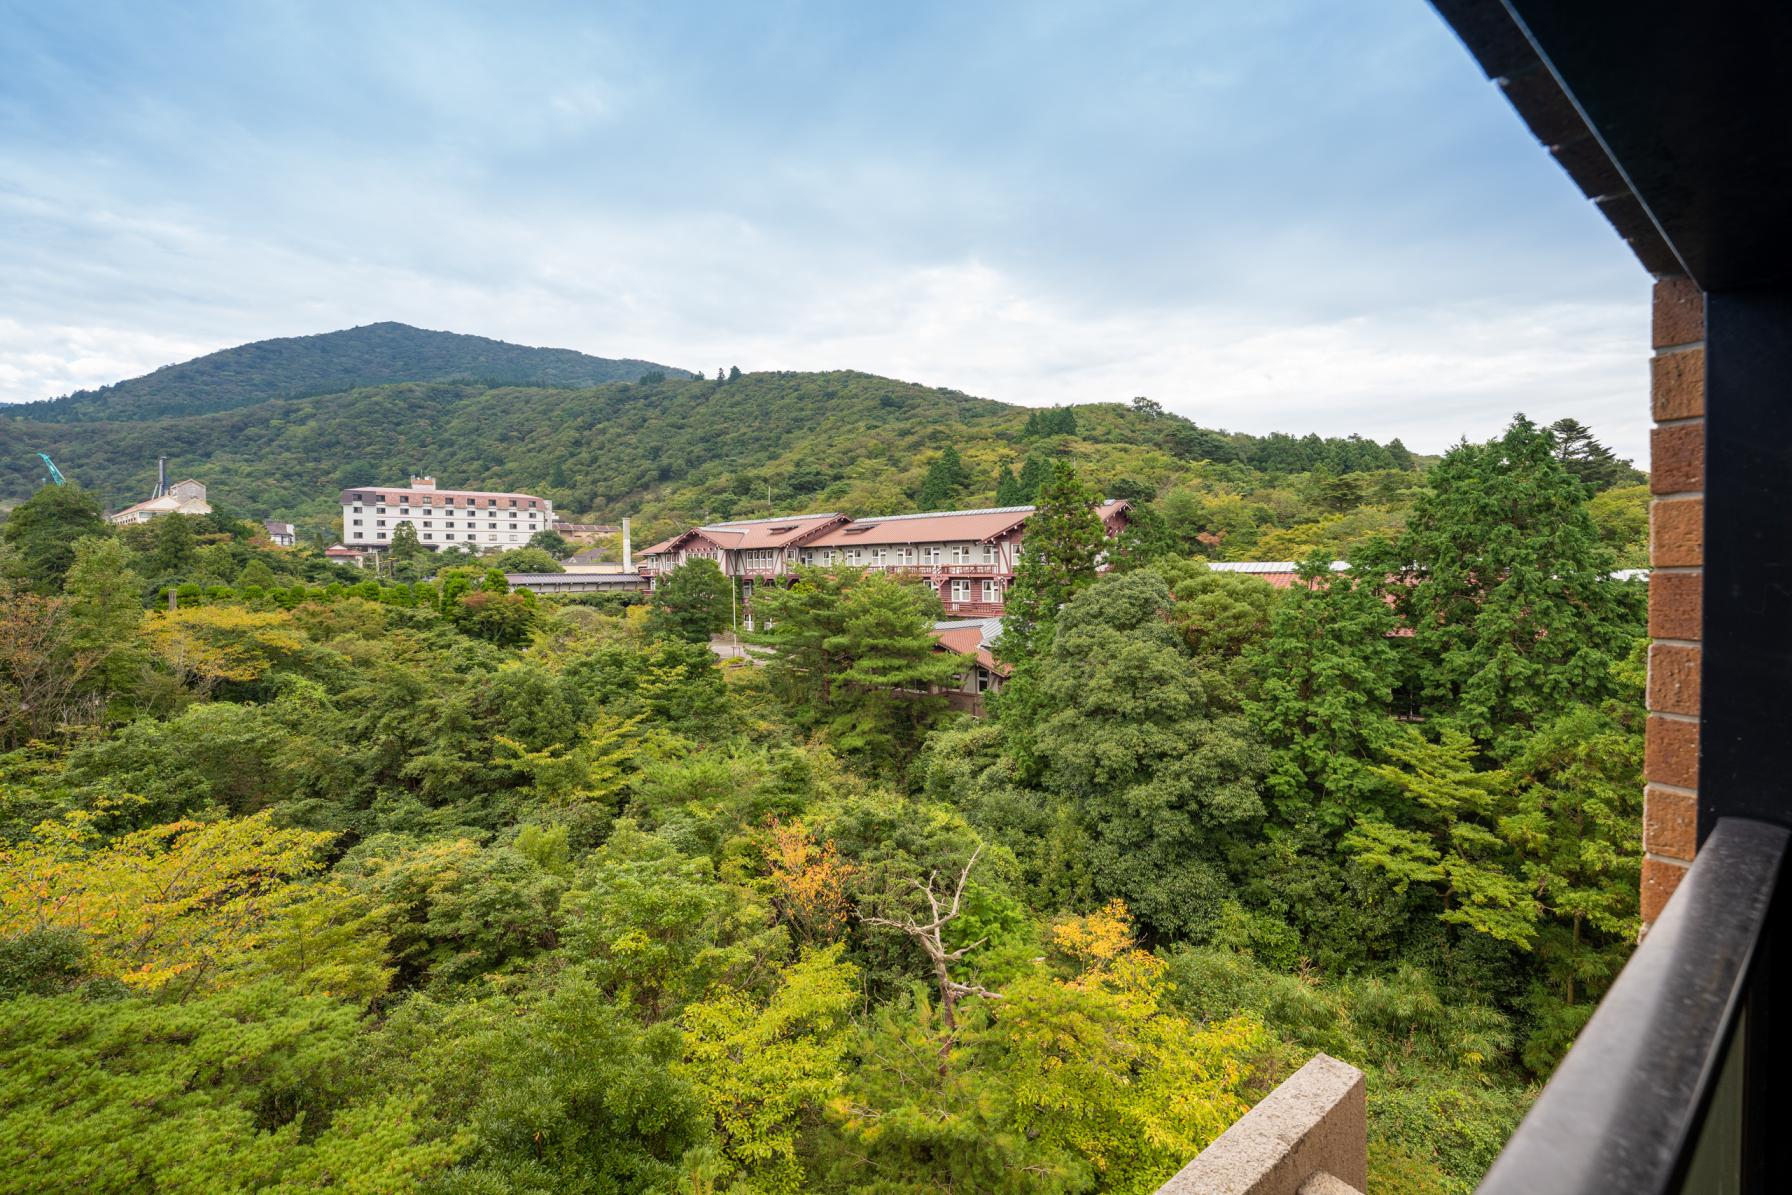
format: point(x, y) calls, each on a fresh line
point(479, 519)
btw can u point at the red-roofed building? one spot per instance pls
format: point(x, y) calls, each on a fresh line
point(967, 555)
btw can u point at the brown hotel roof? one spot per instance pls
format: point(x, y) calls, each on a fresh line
point(936, 527)
point(752, 533)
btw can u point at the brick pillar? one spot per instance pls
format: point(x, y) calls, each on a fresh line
point(1676, 557)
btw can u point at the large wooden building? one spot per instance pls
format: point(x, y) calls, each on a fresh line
point(968, 556)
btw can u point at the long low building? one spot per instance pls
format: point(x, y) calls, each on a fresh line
point(968, 556)
point(578, 582)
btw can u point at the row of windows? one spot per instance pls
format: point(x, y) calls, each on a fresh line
point(431, 535)
point(446, 501)
point(471, 525)
point(405, 510)
point(880, 557)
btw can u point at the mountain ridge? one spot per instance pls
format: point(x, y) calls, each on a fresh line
point(290, 367)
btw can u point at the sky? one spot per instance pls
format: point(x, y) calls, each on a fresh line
point(1288, 215)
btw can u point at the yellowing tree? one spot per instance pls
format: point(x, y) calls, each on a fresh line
point(206, 645)
point(808, 881)
point(1098, 1065)
point(195, 904)
point(759, 1068)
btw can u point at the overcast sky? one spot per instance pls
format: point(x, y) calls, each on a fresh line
point(1289, 214)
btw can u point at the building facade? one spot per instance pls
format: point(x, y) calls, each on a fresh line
point(182, 498)
point(281, 535)
point(967, 556)
point(479, 519)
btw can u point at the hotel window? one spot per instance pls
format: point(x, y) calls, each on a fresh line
point(491, 526)
point(450, 535)
point(429, 501)
point(382, 510)
point(429, 535)
point(377, 522)
point(357, 522)
point(512, 538)
point(931, 554)
point(989, 591)
point(513, 501)
point(513, 514)
point(961, 553)
point(877, 557)
point(961, 591)
point(428, 523)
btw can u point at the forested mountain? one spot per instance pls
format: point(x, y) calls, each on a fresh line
point(673, 450)
point(332, 362)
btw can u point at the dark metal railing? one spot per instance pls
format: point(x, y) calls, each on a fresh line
point(1678, 1082)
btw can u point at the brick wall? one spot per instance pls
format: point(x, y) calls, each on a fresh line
point(1677, 557)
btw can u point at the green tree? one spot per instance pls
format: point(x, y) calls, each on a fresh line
point(42, 530)
point(106, 614)
point(1062, 542)
point(763, 1068)
point(693, 602)
point(1150, 747)
point(1581, 453)
point(1008, 490)
point(256, 573)
point(551, 542)
point(1445, 835)
point(1507, 592)
point(173, 550)
point(945, 478)
point(855, 653)
point(407, 553)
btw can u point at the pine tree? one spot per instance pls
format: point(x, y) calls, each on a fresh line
point(1581, 453)
point(1062, 542)
point(1445, 835)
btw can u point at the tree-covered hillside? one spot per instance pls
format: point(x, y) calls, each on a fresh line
point(333, 362)
point(673, 451)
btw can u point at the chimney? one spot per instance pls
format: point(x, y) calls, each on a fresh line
point(161, 477)
point(628, 563)
point(423, 483)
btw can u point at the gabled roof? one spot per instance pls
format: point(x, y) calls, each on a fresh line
point(972, 637)
point(931, 527)
point(778, 532)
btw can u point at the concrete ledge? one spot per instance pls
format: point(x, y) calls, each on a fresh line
point(1313, 1126)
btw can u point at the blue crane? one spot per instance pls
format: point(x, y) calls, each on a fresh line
point(55, 473)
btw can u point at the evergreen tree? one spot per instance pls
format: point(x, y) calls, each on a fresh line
point(855, 653)
point(945, 478)
point(407, 553)
point(173, 552)
point(692, 602)
point(1581, 453)
point(551, 542)
point(105, 614)
point(1400, 456)
point(42, 530)
point(1060, 546)
point(1327, 674)
point(1034, 472)
point(734, 373)
point(1513, 616)
point(1008, 488)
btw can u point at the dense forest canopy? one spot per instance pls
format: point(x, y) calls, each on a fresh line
point(672, 451)
point(330, 363)
point(312, 881)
